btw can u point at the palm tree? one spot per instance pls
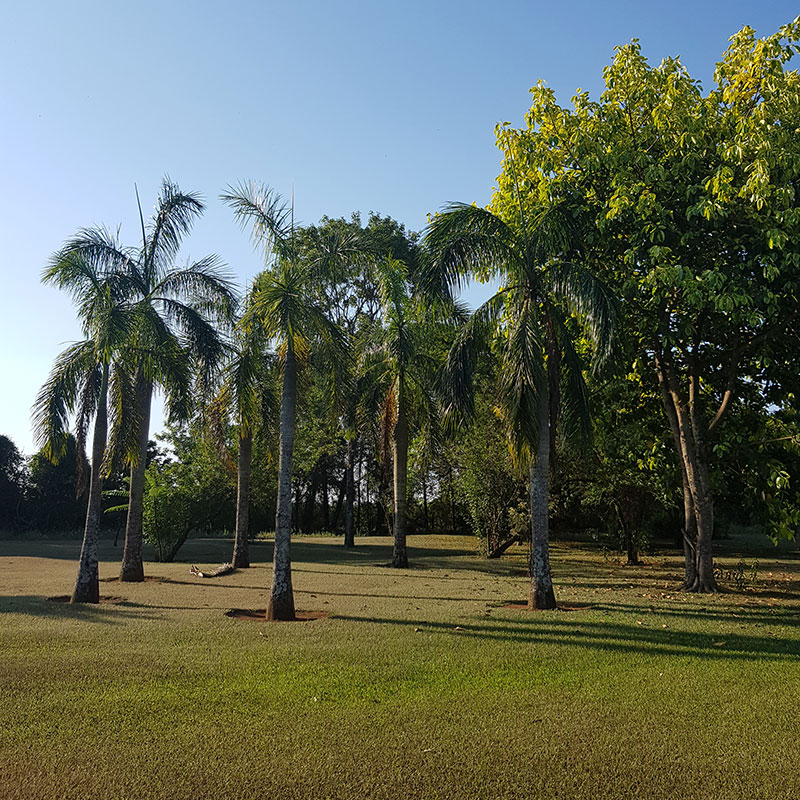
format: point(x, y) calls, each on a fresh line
point(246, 396)
point(79, 384)
point(176, 309)
point(401, 364)
point(527, 324)
point(283, 305)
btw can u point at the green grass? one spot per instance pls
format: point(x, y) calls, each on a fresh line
point(419, 684)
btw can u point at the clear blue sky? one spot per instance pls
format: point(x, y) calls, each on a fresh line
point(370, 105)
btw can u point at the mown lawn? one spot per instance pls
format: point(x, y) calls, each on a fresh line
point(417, 684)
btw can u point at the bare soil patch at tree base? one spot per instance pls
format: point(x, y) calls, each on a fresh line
point(260, 614)
point(65, 598)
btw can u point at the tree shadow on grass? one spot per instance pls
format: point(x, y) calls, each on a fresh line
point(103, 613)
point(609, 637)
point(789, 615)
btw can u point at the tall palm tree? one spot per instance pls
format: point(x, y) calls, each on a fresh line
point(247, 397)
point(177, 310)
point(401, 366)
point(79, 384)
point(284, 306)
point(527, 324)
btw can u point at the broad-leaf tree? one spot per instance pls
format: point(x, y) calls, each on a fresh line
point(691, 203)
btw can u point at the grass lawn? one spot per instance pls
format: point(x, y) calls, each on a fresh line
point(417, 684)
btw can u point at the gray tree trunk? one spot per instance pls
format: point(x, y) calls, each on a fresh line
point(281, 601)
point(349, 495)
point(241, 553)
point(400, 452)
point(541, 594)
point(132, 569)
point(695, 473)
point(87, 586)
point(689, 534)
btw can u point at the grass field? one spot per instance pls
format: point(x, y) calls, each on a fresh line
point(417, 684)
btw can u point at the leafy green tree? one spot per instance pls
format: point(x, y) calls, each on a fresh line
point(344, 257)
point(55, 501)
point(188, 488)
point(484, 461)
point(689, 203)
point(284, 306)
point(529, 325)
point(12, 483)
point(176, 312)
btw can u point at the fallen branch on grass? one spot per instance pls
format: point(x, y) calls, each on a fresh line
point(224, 569)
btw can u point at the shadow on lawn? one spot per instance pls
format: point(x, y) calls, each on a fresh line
point(113, 613)
point(609, 637)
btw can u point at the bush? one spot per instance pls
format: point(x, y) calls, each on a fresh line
point(166, 519)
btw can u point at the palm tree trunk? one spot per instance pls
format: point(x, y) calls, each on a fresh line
point(241, 555)
point(132, 564)
point(87, 586)
point(400, 448)
point(349, 495)
point(281, 601)
point(541, 594)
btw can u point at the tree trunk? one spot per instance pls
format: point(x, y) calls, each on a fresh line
point(695, 474)
point(503, 546)
point(87, 586)
point(630, 546)
point(132, 569)
point(358, 490)
point(689, 534)
point(281, 601)
point(400, 453)
point(349, 495)
point(452, 498)
point(541, 594)
point(337, 509)
point(241, 550)
point(425, 503)
point(326, 501)
point(308, 513)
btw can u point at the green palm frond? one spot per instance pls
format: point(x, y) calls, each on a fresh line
point(576, 422)
point(207, 283)
point(465, 241)
point(175, 213)
point(264, 211)
point(473, 341)
point(76, 267)
point(589, 299)
point(123, 416)
point(554, 233)
point(523, 376)
point(60, 396)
